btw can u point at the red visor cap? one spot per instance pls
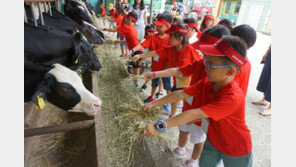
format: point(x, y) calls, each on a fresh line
point(151, 30)
point(161, 22)
point(205, 39)
point(222, 48)
point(209, 17)
point(194, 25)
point(174, 29)
point(131, 17)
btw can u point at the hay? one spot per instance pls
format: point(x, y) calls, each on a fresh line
point(122, 108)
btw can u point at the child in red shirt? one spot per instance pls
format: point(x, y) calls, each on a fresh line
point(177, 55)
point(157, 42)
point(193, 28)
point(103, 13)
point(197, 70)
point(207, 22)
point(130, 33)
point(220, 100)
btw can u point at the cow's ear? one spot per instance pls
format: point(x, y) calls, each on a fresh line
point(43, 89)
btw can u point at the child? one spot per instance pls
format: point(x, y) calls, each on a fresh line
point(193, 28)
point(197, 70)
point(129, 31)
point(119, 22)
point(112, 11)
point(157, 42)
point(103, 12)
point(178, 54)
point(221, 101)
point(149, 31)
point(207, 22)
point(227, 23)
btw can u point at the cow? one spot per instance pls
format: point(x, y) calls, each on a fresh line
point(77, 11)
point(59, 85)
point(63, 23)
point(47, 46)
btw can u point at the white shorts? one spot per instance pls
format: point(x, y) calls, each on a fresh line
point(196, 133)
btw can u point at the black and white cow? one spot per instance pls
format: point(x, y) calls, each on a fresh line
point(78, 11)
point(64, 23)
point(61, 86)
point(47, 46)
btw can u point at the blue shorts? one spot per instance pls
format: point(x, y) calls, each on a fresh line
point(210, 156)
point(175, 89)
point(166, 83)
point(121, 38)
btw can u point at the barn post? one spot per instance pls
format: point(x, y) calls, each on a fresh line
point(49, 6)
point(32, 10)
point(151, 12)
point(25, 15)
point(40, 13)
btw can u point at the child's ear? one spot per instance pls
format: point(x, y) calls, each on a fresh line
point(43, 89)
point(231, 71)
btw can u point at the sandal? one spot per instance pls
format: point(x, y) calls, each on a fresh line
point(266, 112)
point(260, 103)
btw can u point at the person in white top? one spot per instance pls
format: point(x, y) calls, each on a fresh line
point(139, 8)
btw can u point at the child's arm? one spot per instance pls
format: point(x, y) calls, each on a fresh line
point(136, 48)
point(144, 56)
point(107, 29)
point(171, 72)
point(180, 119)
point(170, 98)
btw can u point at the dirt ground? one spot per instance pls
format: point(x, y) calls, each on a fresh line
point(260, 126)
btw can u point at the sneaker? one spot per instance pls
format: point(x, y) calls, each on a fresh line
point(189, 163)
point(149, 99)
point(179, 154)
point(167, 107)
point(144, 87)
point(158, 94)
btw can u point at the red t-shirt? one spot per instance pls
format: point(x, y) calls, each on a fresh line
point(112, 13)
point(227, 130)
point(243, 76)
point(131, 35)
point(176, 58)
point(154, 43)
point(103, 11)
point(118, 19)
point(197, 72)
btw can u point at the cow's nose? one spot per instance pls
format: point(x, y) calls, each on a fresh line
point(98, 103)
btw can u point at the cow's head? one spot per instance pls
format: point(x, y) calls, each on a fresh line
point(84, 52)
point(77, 11)
point(63, 88)
point(92, 34)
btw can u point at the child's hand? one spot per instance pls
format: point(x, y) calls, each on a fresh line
point(125, 56)
point(148, 76)
point(135, 58)
point(148, 106)
point(151, 130)
point(129, 52)
point(140, 62)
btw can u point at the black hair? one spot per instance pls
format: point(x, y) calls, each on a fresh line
point(166, 16)
point(177, 35)
point(133, 14)
point(217, 31)
point(203, 23)
point(142, 5)
point(245, 32)
point(227, 23)
point(237, 44)
point(190, 20)
point(119, 9)
point(149, 26)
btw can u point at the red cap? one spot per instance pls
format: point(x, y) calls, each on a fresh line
point(204, 39)
point(101, 5)
point(209, 17)
point(131, 17)
point(151, 30)
point(174, 29)
point(194, 25)
point(222, 48)
point(161, 21)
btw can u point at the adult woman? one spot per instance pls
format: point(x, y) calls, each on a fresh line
point(264, 84)
point(139, 8)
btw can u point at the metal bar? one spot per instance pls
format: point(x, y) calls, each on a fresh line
point(49, 6)
point(39, 0)
point(32, 11)
point(40, 13)
point(44, 7)
point(151, 12)
point(26, 20)
point(58, 128)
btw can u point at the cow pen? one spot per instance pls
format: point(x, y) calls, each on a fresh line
point(55, 137)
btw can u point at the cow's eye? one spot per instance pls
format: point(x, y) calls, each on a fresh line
point(64, 90)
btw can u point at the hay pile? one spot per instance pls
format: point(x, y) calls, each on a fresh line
point(124, 119)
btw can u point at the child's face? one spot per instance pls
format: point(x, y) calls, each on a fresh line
point(217, 74)
point(149, 34)
point(191, 32)
point(209, 22)
point(161, 29)
point(173, 40)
